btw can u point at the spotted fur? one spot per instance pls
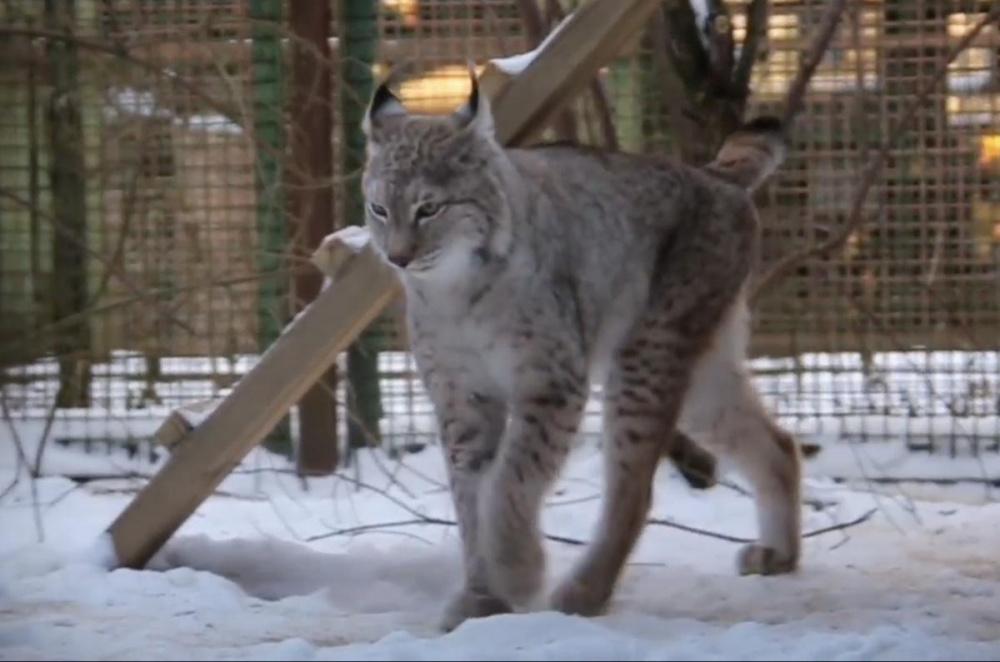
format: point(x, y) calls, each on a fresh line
point(529, 275)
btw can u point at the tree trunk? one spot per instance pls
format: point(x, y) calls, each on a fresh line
point(310, 186)
point(268, 103)
point(69, 210)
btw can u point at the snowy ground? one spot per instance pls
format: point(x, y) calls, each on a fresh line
point(242, 579)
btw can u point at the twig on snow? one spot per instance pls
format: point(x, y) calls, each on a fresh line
point(728, 538)
point(364, 528)
point(22, 461)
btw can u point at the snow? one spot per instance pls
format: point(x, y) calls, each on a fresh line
point(274, 567)
point(701, 13)
point(255, 574)
point(355, 238)
point(128, 101)
point(515, 64)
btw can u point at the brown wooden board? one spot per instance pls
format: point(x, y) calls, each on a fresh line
point(286, 371)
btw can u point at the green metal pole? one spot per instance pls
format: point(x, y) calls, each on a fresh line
point(273, 308)
point(359, 40)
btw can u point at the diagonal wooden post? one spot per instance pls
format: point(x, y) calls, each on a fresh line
point(295, 361)
point(203, 454)
point(590, 38)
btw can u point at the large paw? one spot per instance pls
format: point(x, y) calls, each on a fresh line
point(470, 604)
point(754, 559)
point(516, 568)
point(576, 597)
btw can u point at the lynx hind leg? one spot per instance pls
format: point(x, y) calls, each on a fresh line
point(768, 457)
point(724, 413)
point(696, 465)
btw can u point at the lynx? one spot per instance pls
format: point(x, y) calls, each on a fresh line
point(531, 274)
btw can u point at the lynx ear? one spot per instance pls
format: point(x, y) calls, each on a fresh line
point(476, 112)
point(384, 104)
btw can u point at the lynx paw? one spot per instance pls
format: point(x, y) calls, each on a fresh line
point(516, 569)
point(575, 597)
point(469, 604)
point(754, 559)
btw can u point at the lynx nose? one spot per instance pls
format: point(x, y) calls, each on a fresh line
point(401, 258)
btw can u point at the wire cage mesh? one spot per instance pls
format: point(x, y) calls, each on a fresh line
point(151, 242)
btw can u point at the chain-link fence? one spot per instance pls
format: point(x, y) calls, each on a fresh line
point(166, 166)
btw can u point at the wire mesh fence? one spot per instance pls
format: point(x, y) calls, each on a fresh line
point(161, 184)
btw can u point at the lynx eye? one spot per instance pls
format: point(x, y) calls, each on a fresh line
point(426, 211)
point(378, 210)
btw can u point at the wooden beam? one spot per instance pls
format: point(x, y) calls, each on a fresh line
point(304, 351)
point(593, 35)
point(361, 287)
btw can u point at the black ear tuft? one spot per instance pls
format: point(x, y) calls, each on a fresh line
point(383, 96)
point(470, 108)
point(474, 93)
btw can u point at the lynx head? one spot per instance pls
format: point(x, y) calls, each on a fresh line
point(434, 200)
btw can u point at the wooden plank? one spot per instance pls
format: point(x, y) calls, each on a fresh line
point(362, 286)
point(306, 349)
point(594, 35)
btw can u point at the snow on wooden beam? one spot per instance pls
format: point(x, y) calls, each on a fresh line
point(205, 455)
point(563, 64)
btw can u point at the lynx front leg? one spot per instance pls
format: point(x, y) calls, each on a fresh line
point(472, 425)
point(643, 396)
point(537, 442)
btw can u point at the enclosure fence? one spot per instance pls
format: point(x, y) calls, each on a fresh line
point(166, 167)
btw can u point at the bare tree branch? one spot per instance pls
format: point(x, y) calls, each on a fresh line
point(116, 51)
point(756, 37)
point(411, 522)
point(697, 531)
point(728, 538)
point(575, 541)
point(533, 21)
point(926, 480)
point(841, 525)
point(604, 115)
point(821, 43)
point(720, 46)
point(22, 461)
